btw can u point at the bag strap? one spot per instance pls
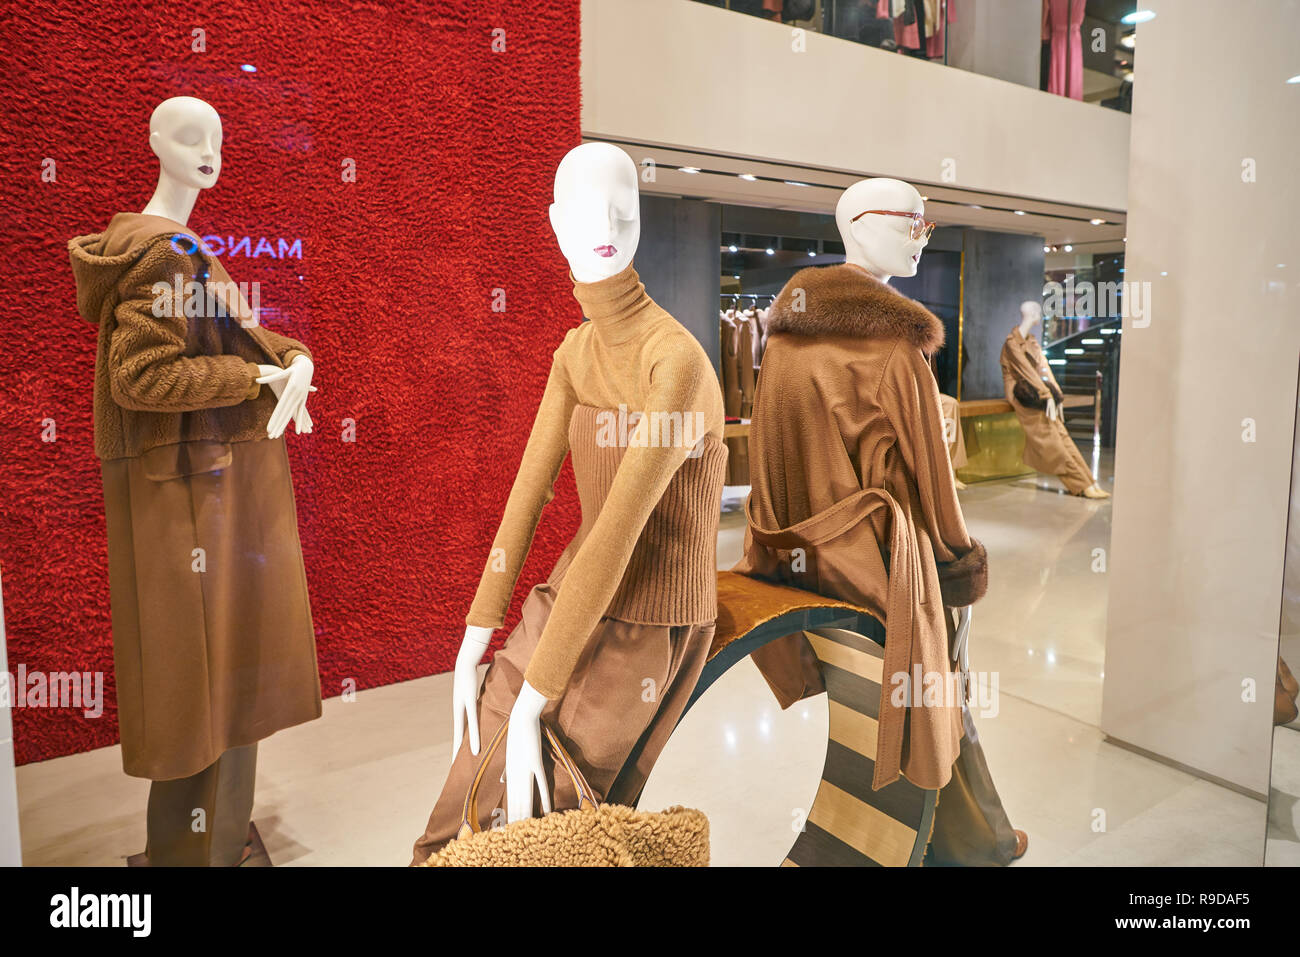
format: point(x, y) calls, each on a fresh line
point(469, 811)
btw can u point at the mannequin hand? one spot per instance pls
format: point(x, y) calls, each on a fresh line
point(524, 756)
point(291, 387)
point(1051, 409)
point(961, 642)
point(464, 687)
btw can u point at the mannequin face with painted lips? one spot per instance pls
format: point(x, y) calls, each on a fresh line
point(185, 135)
point(596, 214)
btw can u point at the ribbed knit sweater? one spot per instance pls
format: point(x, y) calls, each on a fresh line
point(645, 551)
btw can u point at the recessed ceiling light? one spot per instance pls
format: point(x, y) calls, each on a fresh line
point(1128, 41)
point(795, 182)
point(748, 176)
point(770, 251)
point(974, 205)
point(812, 252)
point(1294, 79)
point(1097, 222)
point(1138, 16)
point(688, 169)
point(731, 249)
point(1069, 248)
point(925, 199)
point(1125, 239)
point(1164, 274)
point(1047, 249)
point(1020, 212)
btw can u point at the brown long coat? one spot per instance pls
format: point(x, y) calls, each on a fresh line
point(1028, 381)
point(853, 497)
point(213, 643)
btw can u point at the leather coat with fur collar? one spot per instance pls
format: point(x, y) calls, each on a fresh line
point(853, 497)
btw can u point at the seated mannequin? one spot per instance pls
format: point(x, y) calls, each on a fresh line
point(634, 597)
point(1036, 396)
point(853, 498)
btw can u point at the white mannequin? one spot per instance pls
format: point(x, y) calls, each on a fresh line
point(185, 135)
point(1031, 314)
point(883, 246)
point(596, 217)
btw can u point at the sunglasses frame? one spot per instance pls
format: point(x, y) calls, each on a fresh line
point(922, 228)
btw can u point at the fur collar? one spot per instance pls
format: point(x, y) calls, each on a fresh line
point(847, 301)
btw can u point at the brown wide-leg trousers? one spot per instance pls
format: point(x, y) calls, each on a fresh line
point(971, 828)
point(630, 686)
point(179, 836)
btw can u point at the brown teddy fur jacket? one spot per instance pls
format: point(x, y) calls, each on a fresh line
point(853, 496)
point(182, 375)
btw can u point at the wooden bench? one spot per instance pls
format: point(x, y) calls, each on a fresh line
point(848, 824)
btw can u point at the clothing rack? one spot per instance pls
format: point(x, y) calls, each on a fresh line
point(734, 298)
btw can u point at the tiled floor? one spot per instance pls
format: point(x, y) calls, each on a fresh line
point(357, 786)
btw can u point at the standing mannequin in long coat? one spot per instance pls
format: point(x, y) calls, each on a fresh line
point(1036, 397)
point(212, 635)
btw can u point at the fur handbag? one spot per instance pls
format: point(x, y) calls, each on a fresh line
point(1028, 396)
point(592, 835)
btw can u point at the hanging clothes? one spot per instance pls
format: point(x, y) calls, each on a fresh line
point(1062, 27)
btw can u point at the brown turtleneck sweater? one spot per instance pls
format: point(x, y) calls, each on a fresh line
point(634, 354)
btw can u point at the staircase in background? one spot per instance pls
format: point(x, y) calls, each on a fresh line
point(1086, 364)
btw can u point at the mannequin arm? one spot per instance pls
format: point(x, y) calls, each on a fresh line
point(534, 486)
point(917, 418)
point(524, 756)
point(148, 368)
point(677, 384)
point(464, 688)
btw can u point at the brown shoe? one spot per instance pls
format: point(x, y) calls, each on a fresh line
point(1022, 843)
point(1284, 706)
point(1288, 680)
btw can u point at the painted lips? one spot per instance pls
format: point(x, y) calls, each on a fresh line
point(605, 252)
point(205, 170)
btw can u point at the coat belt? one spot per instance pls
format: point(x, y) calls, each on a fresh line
point(900, 610)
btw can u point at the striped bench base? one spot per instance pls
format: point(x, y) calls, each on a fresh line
point(848, 824)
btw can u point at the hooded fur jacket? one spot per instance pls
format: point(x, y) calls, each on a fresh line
point(853, 498)
point(174, 369)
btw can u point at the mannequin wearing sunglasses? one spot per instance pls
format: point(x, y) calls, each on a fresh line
point(850, 472)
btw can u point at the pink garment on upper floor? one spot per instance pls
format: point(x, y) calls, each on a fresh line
point(1062, 23)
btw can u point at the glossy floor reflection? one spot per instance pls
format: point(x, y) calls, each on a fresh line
point(357, 786)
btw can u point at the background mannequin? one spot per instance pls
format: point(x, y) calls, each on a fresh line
point(1048, 446)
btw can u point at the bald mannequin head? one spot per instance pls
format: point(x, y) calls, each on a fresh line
point(597, 213)
point(880, 244)
point(185, 135)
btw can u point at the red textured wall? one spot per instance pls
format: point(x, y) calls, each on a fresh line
point(455, 146)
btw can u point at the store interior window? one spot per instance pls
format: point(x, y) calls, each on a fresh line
point(1088, 47)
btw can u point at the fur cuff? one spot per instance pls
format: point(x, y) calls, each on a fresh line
point(965, 581)
point(1028, 396)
